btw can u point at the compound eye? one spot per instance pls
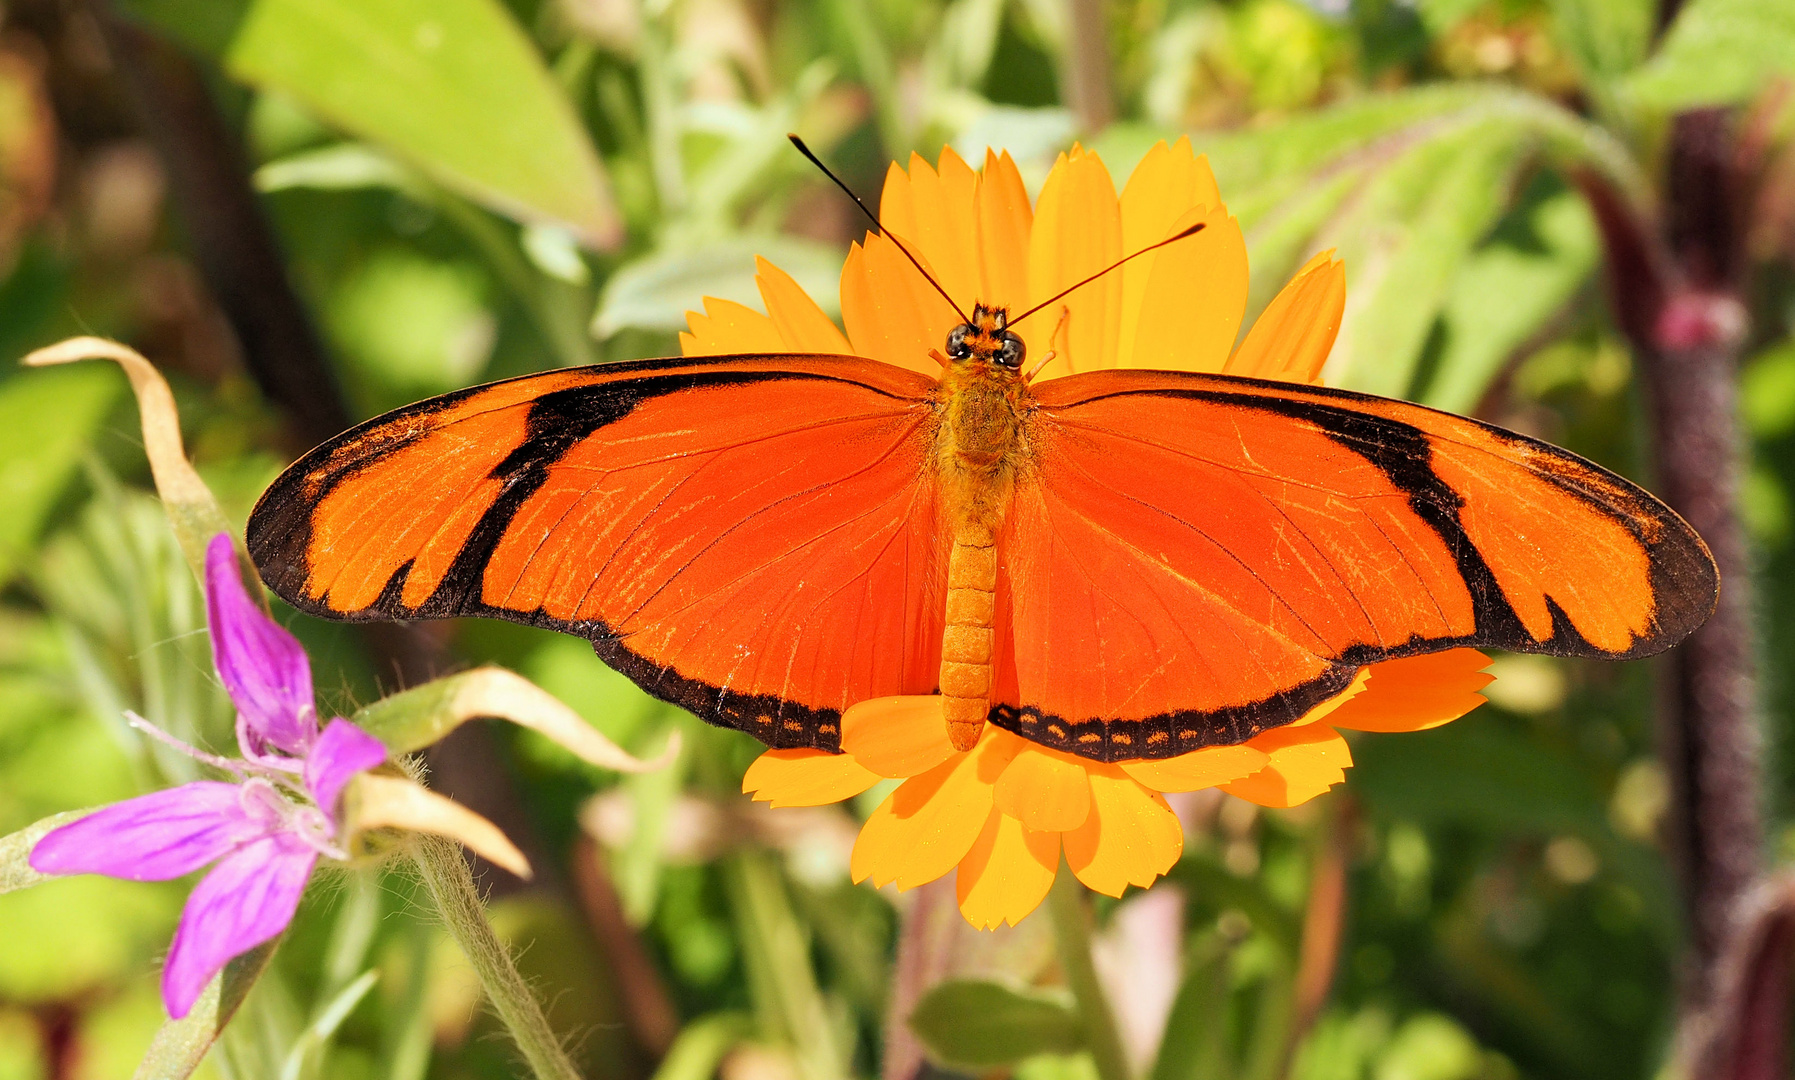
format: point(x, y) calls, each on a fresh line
point(1012, 352)
point(956, 342)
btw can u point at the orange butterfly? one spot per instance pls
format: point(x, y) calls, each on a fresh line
point(1122, 565)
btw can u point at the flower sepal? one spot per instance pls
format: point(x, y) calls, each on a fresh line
point(413, 719)
point(380, 806)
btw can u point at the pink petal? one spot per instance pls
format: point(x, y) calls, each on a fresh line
point(248, 899)
point(264, 667)
point(153, 837)
point(341, 752)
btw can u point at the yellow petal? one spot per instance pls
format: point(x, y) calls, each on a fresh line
point(944, 223)
point(1131, 837)
point(1045, 790)
point(801, 324)
point(727, 327)
point(929, 823)
point(1417, 693)
point(897, 209)
point(1198, 769)
point(1077, 232)
point(1004, 222)
point(805, 778)
point(1182, 304)
point(1292, 337)
point(897, 736)
point(1007, 873)
point(887, 317)
point(1192, 304)
point(1305, 761)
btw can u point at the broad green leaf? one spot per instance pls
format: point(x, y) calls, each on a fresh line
point(977, 1025)
point(1405, 239)
point(1718, 52)
point(1404, 185)
point(46, 421)
point(1608, 38)
point(1533, 273)
point(655, 292)
point(455, 86)
point(181, 1044)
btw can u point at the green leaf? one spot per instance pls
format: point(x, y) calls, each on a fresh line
point(455, 86)
point(1718, 52)
point(181, 1044)
point(15, 850)
point(1404, 185)
point(1608, 38)
point(655, 292)
point(46, 422)
point(1534, 273)
point(320, 1031)
point(984, 1025)
point(1408, 235)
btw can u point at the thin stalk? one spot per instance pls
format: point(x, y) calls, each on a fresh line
point(1070, 910)
point(1087, 65)
point(451, 886)
point(776, 952)
point(876, 73)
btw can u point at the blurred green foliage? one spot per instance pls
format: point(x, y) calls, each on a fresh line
point(471, 189)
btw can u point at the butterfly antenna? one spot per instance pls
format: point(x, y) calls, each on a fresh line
point(1192, 231)
point(877, 224)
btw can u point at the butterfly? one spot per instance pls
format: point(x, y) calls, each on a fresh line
point(1119, 564)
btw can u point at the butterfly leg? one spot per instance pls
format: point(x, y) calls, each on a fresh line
point(1058, 329)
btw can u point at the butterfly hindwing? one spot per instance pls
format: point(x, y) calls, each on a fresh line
point(1193, 559)
point(752, 538)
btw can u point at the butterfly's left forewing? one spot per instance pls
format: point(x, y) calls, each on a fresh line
point(1191, 559)
point(752, 538)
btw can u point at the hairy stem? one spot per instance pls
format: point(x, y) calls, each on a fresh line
point(1678, 294)
point(451, 886)
point(1070, 910)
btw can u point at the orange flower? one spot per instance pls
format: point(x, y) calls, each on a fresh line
point(1003, 813)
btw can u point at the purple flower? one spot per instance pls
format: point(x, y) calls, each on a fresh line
point(265, 831)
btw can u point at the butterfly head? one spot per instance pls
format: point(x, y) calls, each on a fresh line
point(988, 339)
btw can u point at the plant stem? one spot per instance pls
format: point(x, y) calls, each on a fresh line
point(1070, 910)
point(1087, 65)
point(1679, 289)
point(776, 952)
point(451, 885)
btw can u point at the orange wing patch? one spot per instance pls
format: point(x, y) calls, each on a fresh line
point(749, 537)
point(1192, 560)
